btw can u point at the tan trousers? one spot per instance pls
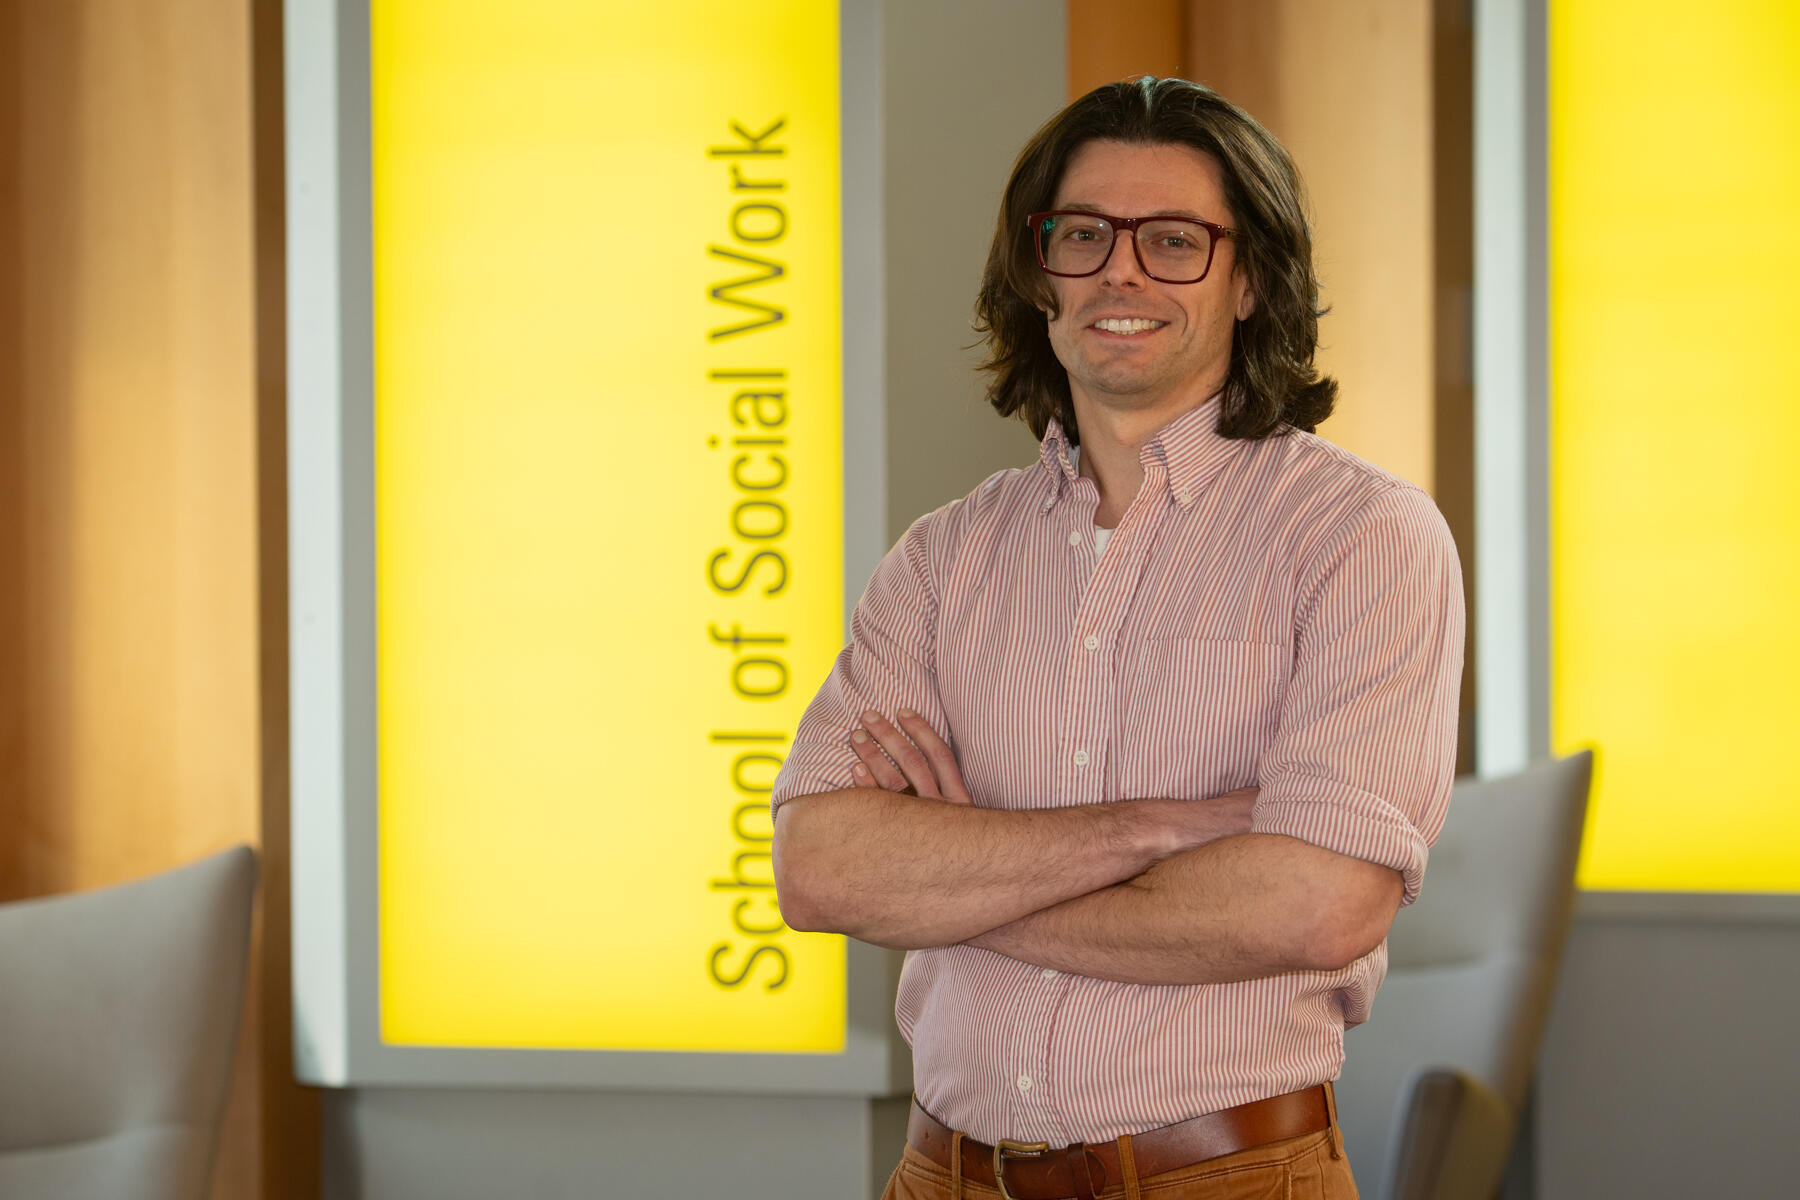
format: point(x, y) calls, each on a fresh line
point(1312, 1167)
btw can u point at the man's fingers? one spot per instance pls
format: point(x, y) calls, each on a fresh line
point(873, 767)
point(938, 753)
point(906, 756)
point(863, 777)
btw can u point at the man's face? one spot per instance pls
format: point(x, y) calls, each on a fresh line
point(1182, 356)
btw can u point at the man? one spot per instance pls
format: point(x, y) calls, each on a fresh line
point(1138, 750)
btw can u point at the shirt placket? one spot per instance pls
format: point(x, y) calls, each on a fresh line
point(1089, 694)
point(1084, 750)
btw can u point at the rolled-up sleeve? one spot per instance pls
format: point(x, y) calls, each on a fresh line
point(888, 665)
point(1365, 749)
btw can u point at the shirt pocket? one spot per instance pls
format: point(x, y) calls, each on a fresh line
point(1198, 714)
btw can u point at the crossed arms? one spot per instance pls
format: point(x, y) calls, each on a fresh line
point(1155, 891)
point(1150, 891)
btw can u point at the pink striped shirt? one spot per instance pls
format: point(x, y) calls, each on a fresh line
point(1275, 613)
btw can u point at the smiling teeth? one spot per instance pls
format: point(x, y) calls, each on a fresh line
point(1134, 325)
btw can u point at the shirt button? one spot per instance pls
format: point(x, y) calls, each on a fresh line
point(1185, 497)
point(1074, 538)
point(1049, 972)
point(1091, 642)
point(1024, 1083)
point(1081, 758)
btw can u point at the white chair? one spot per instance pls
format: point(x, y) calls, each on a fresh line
point(119, 1014)
point(1434, 1082)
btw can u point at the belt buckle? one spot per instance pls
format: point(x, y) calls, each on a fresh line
point(1007, 1146)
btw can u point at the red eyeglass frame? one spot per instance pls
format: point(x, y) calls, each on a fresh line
point(1034, 223)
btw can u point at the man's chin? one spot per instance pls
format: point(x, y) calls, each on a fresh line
point(1126, 387)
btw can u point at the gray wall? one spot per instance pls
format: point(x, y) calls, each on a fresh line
point(386, 1144)
point(965, 85)
point(1671, 1066)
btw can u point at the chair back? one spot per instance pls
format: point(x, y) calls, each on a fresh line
point(119, 1013)
point(1471, 968)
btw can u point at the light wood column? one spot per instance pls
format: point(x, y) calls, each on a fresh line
point(289, 1129)
point(1374, 99)
point(1347, 85)
point(1109, 41)
point(136, 685)
point(1453, 295)
point(13, 631)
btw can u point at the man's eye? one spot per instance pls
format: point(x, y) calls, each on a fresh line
point(1177, 241)
point(1081, 233)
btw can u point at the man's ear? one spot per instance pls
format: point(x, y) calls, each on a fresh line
point(1246, 301)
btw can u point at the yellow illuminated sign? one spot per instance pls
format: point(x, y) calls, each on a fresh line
point(1675, 427)
point(609, 514)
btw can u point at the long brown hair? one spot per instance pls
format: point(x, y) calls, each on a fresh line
point(1272, 384)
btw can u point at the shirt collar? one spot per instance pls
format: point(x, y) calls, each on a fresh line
point(1189, 450)
point(1054, 454)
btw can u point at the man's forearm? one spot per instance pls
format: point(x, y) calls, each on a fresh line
point(906, 872)
point(1239, 908)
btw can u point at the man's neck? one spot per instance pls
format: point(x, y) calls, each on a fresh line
point(1111, 440)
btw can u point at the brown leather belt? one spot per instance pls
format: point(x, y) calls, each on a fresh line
point(1030, 1171)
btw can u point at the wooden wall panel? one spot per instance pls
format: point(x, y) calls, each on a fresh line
point(1347, 85)
point(133, 393)
point(12, 452)
point(135, 351)
point(1453, 296)
point(1110, 41)
point(289, 1135)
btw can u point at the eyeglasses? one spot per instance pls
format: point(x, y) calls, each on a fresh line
point(1168, 249)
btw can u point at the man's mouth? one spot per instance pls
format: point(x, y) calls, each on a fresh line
point(1127, 324)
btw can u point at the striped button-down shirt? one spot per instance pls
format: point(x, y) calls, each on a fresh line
point(1274, 613)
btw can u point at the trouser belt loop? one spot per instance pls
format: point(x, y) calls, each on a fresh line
point(1128, 1168)
point(1337, 1133)
point(1081, 1173)
point(956, 1175)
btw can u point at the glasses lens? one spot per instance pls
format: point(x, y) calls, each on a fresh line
point(1174, 250)
point(1074, 243)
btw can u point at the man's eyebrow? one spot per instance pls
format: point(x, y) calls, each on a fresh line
point(1078, 206)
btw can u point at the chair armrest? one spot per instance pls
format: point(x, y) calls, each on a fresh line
point(1454, 1136)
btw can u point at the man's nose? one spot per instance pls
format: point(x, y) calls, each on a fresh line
point(1122, 266)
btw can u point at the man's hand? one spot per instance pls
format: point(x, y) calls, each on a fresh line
point(916, 758)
